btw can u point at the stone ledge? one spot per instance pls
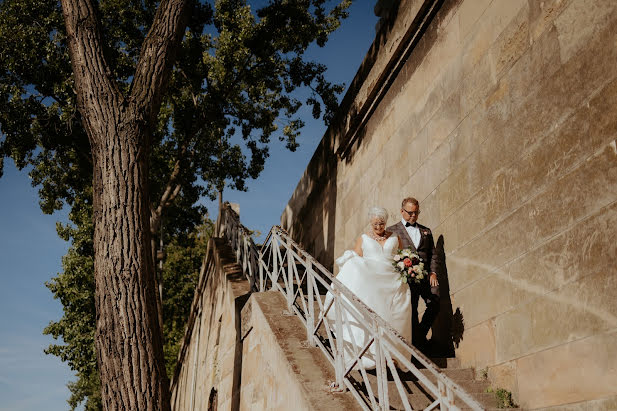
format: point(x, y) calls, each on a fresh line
point(278, 370)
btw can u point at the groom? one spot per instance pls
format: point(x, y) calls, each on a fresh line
point(420, 239)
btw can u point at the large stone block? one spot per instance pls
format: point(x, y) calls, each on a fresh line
point(542, 15)
point(477, 347)
point(504, 376)
point(577, 310)
point(569, 373)
point(430, 212)
point(602, 404)
point(511, 42)
point(417, 153)
point(537, 63)
point(477, 83)
point(498, 295)
point(445, 120)
point(579, 193)
point(579, 23)
point(469, 13)
point(584, 249)
point(482, 34)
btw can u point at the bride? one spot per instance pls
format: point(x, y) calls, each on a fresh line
point(368, 273)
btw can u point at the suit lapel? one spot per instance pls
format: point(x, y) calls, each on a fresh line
point(421, 237)
point(406, 235)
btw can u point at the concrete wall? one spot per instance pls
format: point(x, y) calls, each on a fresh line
point(501, 118)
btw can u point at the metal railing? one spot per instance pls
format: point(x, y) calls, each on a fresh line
point(283, 265)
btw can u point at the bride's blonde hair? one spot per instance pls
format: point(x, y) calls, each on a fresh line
point(378, 212)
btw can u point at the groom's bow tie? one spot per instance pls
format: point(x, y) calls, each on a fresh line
point(408, 224)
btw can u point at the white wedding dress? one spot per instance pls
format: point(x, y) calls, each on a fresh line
point(373, 279)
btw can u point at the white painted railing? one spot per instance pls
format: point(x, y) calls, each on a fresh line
point(283, 265)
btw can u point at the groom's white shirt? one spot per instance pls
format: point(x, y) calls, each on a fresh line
point(414, 233)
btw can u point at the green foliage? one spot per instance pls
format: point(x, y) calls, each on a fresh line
point(503, 396)
point(180, 276)
point(484, 373)
point(74, 287)
point(233, 87)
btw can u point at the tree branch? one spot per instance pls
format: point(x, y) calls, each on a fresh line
point(172, 189)
point(157, 56)
point(97, 96)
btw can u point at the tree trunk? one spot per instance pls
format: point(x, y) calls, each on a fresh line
point(129, 347)
point(128, 338)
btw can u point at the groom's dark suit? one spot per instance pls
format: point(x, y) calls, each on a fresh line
point(432, 262)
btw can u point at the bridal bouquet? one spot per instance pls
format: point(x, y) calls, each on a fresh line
point(409, 265)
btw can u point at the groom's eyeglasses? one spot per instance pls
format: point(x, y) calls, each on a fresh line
point(412, 212)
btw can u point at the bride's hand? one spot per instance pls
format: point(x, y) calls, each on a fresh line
point(358, 246)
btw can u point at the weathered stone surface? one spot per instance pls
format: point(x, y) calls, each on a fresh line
point(571, 256)
point(477, 348)
point(543, 14)
point(511, 42)
point(582, 370)
point(602, 404)
point(502, 123)
point(278, 371)
point(258, 361)
point(469, 14)
point(580, 22)
point(208, 361)
point(504, 375)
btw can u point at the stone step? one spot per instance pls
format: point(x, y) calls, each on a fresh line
point(444, 362)
point(455, 374)
point(474, 386)
point(486, 399)
point(419, 398)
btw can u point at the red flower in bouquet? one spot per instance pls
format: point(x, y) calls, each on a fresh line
point(409, 265)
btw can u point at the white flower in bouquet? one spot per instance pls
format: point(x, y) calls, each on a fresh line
point(409, 265)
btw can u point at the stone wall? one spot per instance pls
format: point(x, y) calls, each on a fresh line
point(210, 362)
point(241, 352)
point(500, 117)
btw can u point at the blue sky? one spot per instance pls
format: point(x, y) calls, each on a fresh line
point(31, 251)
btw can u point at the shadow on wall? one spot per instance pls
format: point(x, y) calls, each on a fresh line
point(313, 207)
point(448, 328)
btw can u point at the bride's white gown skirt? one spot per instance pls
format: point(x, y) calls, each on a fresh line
point(373, 280)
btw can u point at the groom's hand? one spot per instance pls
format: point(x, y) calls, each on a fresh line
point(433, 280)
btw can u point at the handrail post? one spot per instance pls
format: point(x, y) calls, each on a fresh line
point(310, 318)
point(339, 364)
point(275, 262)
point(442, 395)
point(381, 369)
point(290, 279)
point(450, 396)
point(262, 284)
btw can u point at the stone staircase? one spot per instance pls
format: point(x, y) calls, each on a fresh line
point(290, 276)
point(420, 398)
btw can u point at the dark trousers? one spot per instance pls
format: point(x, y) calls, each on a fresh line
point(430, 295)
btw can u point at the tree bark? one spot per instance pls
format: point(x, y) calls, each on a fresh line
point(128, 337)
